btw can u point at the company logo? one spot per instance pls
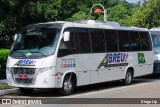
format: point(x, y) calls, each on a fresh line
point(68, 63)
point(114, 59)
point(25, 62)
point(117, 58)
point(21, 101)
point(6, 101)
point(141, 58)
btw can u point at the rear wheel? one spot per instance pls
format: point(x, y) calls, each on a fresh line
point(128, 78)
point(68, 86)
point(26, 91)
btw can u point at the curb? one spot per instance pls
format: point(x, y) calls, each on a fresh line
point(9, 91)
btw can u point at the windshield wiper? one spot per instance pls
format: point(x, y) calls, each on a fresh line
point(156, 52)
point(22, 53)
point(38, 52)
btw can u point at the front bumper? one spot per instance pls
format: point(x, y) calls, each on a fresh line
point(36, 78)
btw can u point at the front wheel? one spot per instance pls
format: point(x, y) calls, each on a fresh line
point(68, 86)
point(128, 78)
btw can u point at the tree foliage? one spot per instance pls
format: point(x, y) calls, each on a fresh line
point(15, 14)
point(147, 15)
point(119, 12)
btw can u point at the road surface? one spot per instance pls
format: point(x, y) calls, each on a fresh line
point(143, 90)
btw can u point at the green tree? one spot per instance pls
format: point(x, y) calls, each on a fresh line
point(147, 15)
point(15, 14)
point(118, 12)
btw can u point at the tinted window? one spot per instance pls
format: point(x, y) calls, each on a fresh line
point(111, 40)
point(123, 38)
point(156, 41)
point(84, 41)
point(145, 41)
point(72, 45)
point(134, 41)
point(76, 41)
point(97, 39)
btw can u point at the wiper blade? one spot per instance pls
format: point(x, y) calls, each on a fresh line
point(156, 52)
point(38, 52)
point(20, 52)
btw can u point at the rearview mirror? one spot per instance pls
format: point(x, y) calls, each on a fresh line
point(66, 36)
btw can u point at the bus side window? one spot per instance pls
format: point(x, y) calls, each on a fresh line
point(97, 38)
point(111, 41)
point(71, 43)
point(145, 41)
point(124, 44)
point(84, 41)
point(67, 47)
point(134, 41)
point(76, 42)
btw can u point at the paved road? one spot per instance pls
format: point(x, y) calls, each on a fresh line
point(143, 87)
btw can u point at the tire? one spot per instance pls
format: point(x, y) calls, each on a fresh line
point(26, 91)
point(68, 86)
point(128, 78)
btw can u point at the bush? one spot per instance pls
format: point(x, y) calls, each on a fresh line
point(3, 59)
point(5, 86)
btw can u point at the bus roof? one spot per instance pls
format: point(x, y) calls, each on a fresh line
point(95, 24)
point(155, 29)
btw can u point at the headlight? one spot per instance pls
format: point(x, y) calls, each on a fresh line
point(41, 70)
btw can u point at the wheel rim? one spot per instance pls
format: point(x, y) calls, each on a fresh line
point(128, 78)
point(67, 86)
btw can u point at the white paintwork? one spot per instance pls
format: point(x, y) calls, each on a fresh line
point(86, 64)
point(156, 31)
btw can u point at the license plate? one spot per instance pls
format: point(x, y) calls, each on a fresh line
point(22, 76)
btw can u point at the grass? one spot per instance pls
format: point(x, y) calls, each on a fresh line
point(5, 86)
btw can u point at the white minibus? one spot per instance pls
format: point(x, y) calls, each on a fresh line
point(65, 55)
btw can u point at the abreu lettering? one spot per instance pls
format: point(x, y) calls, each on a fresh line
point(25, 62)
point(114, 59)
point(117, 57)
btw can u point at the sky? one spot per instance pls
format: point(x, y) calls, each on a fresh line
point(133, 1)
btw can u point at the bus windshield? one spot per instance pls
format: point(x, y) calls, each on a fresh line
point(156, 42)
point(35, 41)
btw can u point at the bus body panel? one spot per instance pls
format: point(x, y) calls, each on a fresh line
point(89, 68)
point(43, 76)
point(146, 67)
point(87, 71)
point(155, 34)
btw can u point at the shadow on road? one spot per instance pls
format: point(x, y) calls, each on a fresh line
point(47, 93)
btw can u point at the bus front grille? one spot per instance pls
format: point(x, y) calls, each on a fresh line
point(30, 75)
point(26, 81)
point(28, 71)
